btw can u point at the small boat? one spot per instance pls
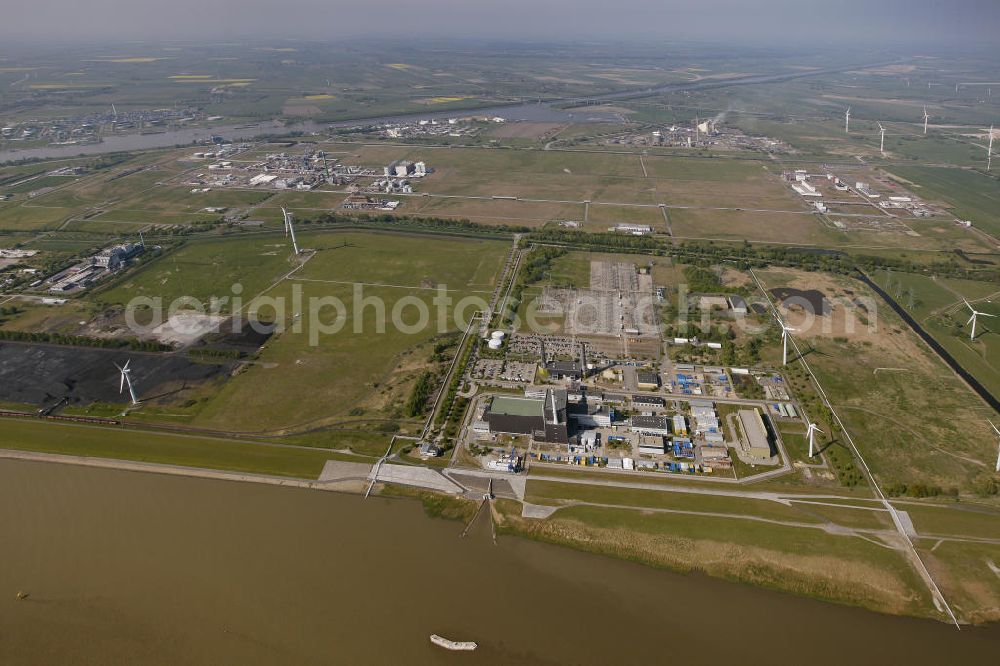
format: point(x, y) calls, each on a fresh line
point(452, 645)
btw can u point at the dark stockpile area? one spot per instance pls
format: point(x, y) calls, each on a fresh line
point(45, 374)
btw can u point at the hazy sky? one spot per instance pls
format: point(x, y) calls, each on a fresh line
point(799, 21)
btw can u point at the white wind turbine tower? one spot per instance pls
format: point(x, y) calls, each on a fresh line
point(997, 431)
point(785, 330)
point(881, 145)
point(126, 378)
point(847, 121)
point(989, 150)
point(972, 319)
point(289, 229)
point(926, 116)
point(811, 432)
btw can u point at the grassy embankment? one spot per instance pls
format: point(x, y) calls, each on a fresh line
point(166, 448)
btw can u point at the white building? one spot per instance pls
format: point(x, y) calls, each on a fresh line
point(634, 229)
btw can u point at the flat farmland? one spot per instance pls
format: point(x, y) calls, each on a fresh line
point(19, 217)
point(609, 178)
point(936, 231)
point(105, 187)
point(113, 226)
point(762, 192)
point(308, 202)
point(603, 216)
point(971, 195)
point(492, 211)
point(539, 162)
point(739, 225)
point(716, 169)
point(177, 200)
point(550, 187)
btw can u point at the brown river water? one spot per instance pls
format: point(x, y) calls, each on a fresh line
point(132, 568)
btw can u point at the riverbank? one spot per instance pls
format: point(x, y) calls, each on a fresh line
point(809, 563)
point(129, 567)
point(821, 567)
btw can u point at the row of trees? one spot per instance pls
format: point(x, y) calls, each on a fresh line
point(421, 393)
point(746, 255)
point(416, 222)
point(82, 341)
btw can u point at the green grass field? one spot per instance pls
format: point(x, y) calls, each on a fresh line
point(207, 269)
point(972, 195)
point(914, 421)
point(165, 448)
point(937, 304)
point(538, 491)
point(307, 377)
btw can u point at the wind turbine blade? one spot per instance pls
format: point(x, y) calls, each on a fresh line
point(121, 383)
point(971, 319)
point(995, 429)
point(984, 314)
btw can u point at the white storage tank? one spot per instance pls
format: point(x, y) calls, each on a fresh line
point(498, 335)
point(494, 343)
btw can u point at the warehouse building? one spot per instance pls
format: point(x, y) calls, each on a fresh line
point(648, 381)
point(574, 370)
point(650, 425)
point(640, 401)
point(756, 440)
point(654, 446)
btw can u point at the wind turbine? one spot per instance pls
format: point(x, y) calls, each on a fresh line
point(785, 330)
point(289, 229)
point(926, 116)
point(811, 432)
point(126, 378)
point(972, 319)
point(997, 431)
point(881, 145)
point(989, 150)
point(847, 121)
